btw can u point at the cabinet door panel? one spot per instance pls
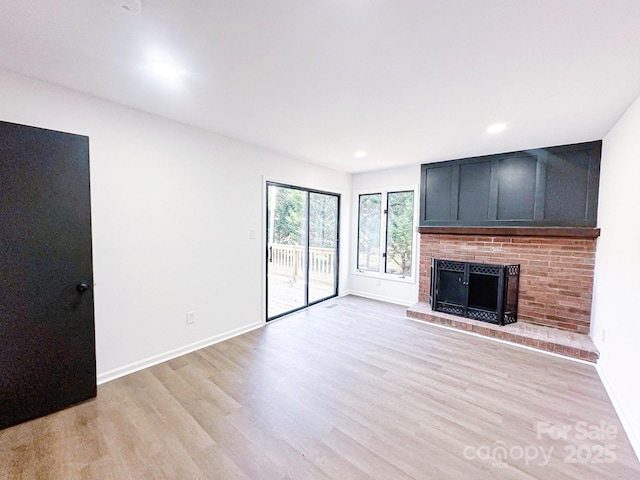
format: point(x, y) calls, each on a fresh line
point(516, 188)
point(438, 193)
point(566, 186)
point(475, 186)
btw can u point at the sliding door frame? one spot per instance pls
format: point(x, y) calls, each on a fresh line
point(308, 192)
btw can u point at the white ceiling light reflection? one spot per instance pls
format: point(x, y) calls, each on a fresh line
point(496, 128)
point(165, 72)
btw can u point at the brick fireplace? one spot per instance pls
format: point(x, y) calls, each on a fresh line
point(556, 279)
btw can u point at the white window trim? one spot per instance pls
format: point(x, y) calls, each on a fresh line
point(383, 238)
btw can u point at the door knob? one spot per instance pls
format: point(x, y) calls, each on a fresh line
point(82, 287)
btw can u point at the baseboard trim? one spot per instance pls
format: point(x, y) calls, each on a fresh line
point(629, 427)
point(171, 354)
point(373, 296)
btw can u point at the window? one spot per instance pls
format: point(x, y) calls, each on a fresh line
point(399, 233)
point(369, 232)
point(386, 233)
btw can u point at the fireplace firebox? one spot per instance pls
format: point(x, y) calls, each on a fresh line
point(475, 290)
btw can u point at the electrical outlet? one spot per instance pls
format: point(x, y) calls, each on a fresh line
point(191, 318)
point(252, 234)
point(604, 335)
point(377, 282)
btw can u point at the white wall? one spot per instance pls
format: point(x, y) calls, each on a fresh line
point(373, 286)
point(172, 208)
point(615, 324)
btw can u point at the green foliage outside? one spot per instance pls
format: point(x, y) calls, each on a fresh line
point(369, 232)
point(290, 218)
point(399, 233)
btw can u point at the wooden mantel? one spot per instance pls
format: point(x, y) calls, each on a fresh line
point(572, 232)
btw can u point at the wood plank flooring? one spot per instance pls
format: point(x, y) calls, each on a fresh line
point(348, 389)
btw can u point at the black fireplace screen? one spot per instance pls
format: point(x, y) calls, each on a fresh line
point(475, 290)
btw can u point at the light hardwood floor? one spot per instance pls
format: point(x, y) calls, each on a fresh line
point(346, 389)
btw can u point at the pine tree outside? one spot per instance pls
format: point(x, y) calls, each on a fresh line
point(388, 244)
point(399, 233)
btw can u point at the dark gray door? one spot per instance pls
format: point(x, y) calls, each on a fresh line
point(47, 340)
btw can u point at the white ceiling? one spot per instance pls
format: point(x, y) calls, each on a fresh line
point(408, 81)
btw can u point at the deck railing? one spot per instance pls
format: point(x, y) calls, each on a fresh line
point(288, 260)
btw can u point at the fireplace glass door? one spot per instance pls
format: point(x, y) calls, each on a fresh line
point(475, 290)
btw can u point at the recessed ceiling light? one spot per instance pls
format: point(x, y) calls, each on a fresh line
point(164, 70)
point(360, 154)
point(496, 128)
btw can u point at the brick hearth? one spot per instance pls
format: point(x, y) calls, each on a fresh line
point(549, 339)
point(556, 282)
point(556, 274)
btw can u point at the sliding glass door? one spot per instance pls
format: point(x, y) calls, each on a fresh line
point(323, 246)
point(302, 248)
point(286, 250)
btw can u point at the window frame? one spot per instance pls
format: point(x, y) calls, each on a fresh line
point(359, 204)
point(385, 256)
point(384, 217)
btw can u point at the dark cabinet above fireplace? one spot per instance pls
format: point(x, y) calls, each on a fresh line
point(545, 187)
point(475, 290)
